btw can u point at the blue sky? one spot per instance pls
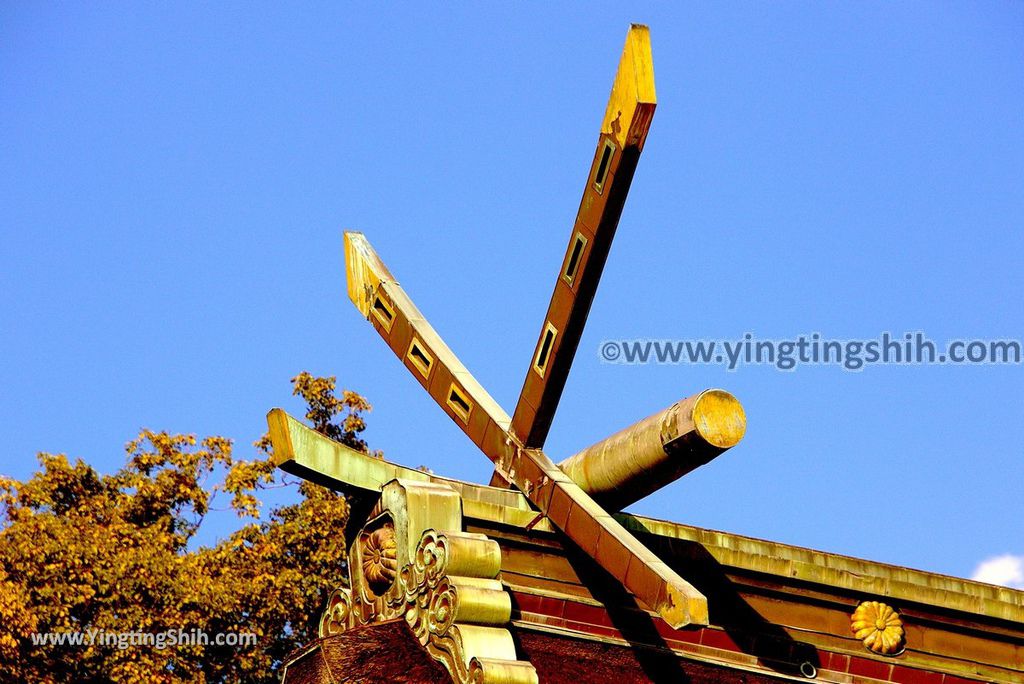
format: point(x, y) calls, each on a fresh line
point(175, 180)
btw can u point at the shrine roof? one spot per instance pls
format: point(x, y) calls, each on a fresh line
point(309, 454)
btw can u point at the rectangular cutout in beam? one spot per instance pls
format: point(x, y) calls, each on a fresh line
point(383, 312)
point(459, 403)
point(547, 341)
point(421, 359)
point(607, 152)
point(574, 257)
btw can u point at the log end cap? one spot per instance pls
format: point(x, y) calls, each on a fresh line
point(719, 418)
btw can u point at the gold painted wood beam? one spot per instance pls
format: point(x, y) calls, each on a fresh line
point(378, 296)
point(624, 130)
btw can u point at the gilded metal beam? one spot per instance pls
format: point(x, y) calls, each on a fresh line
point(307, 454)
point(304, 452)
point(624, 130)
point(383, 302)
point(648, 455)
point(378, 296)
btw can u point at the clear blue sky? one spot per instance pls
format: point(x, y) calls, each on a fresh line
point(174, 182)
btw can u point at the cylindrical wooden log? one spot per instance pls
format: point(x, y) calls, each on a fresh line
point(646, 456)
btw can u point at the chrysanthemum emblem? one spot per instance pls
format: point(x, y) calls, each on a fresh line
point(879, 626)
point(380, 565)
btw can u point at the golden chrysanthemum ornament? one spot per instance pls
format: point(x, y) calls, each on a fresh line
point(879, 626)
point(379, 556)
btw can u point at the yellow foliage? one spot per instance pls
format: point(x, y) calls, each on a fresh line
point(82, 551)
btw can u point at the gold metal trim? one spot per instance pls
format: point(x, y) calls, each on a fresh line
point(423, 361)
point(383, 312)
point(574, 257)
point(544, 348)
point(604, 165)
point(459, 402)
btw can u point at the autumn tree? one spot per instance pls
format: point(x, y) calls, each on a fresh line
point(85, 552)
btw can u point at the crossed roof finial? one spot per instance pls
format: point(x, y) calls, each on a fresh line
point(626, 466)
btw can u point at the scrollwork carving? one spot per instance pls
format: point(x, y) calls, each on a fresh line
point(338, 615)
point(424, 595)
point(432, 557)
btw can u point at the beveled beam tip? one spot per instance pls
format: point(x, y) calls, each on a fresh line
point(681, 609)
